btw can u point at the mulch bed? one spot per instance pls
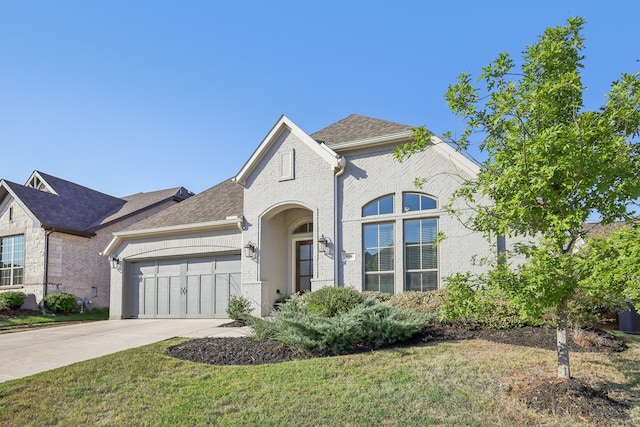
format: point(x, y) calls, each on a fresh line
point(551, 395)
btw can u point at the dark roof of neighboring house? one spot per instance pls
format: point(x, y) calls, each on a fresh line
point(596, 229)
point(216, 203)
point(356, 127)
point(80, 210)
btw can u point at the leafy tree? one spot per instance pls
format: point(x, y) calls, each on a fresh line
point(550, 162)
point(610, 265)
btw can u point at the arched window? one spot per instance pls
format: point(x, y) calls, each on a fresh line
point(307, 227)
point(418, 202)
point(379, 206)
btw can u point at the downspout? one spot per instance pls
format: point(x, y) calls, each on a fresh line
point(337, 256)
point(46, 261)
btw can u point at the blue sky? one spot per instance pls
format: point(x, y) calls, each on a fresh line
point(129, 96)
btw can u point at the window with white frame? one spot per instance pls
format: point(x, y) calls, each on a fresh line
point(379, 257)
point(380, 206)
point(421, 254)
point(11, 260)
point(418, 202)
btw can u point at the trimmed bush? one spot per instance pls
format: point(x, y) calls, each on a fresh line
point(423, 302)
point(61, 303)
point(469, 299)
point(368, 325)
point(239, 308)
point(332, 300)
point(11, 299)
point(377, 295)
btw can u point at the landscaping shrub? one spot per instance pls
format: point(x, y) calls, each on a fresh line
point(370, 324)
point(424, 302)
point(472, 301)
point(332, 300)
point(61, 303)
point(11, 299)
point(239, 308)
point(377, 295)
point(261, 329)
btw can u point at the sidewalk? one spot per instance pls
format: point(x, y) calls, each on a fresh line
point(31, 351)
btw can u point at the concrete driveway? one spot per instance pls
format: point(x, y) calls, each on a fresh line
point(31, 351)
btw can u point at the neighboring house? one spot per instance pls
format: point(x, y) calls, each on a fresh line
point(52, 232)
point(305, 211)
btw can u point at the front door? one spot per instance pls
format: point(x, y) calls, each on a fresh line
point(304, 265)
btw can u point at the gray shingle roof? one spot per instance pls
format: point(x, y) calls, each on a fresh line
point(356, 127)
point(80, 210)
point(216, 203)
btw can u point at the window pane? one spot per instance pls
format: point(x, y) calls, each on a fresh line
point(386, 205)
point(412, 232)
point(429, 281)
point(370, 209)
point(386, 234)
point(429, 257)
point(412, 254)
point(429, 230)
point(428, 203)
point(17, 276)
point(411, 202)
point(386, 283)
point(306, 268)
point(370, 236)
point(386, 259)
point(413, 282)
point(371, 282)
point(371, 260)
point(305, 251)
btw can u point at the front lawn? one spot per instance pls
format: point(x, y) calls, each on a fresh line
point(446, 383)
point(17, 318)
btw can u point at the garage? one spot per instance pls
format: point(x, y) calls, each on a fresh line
point(185, 288)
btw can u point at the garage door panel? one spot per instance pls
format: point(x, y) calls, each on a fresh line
point(149, 299)
point(206, 296)
point(222, 293)
point(198, 287)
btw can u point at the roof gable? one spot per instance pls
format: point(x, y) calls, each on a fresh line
point(283, 123)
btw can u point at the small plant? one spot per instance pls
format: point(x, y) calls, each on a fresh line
point(239, 308)
point(332, 300)
point(261, 329)
point(11, 299)
point(61, 303)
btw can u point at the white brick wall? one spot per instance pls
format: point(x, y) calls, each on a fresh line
point(374, 173)
point(272, 207)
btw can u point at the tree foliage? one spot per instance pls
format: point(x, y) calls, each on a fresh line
point(550, 163)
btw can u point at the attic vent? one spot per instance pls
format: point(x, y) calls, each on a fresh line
point(287, 165)
point(38, 184)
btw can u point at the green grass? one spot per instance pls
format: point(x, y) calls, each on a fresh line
point(446, 384)
point(90, 315)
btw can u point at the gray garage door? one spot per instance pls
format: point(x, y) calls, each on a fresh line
point(186, 288)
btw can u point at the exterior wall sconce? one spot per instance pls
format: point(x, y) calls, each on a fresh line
point(250, 250)
point(115, 262)
point(322, 244)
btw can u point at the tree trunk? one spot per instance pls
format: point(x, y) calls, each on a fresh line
point(562, 343)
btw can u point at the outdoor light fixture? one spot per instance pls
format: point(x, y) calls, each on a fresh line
point(115, 262)
point(322, 244)
point(249, 250)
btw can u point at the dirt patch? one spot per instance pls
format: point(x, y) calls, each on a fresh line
point(570, 397)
